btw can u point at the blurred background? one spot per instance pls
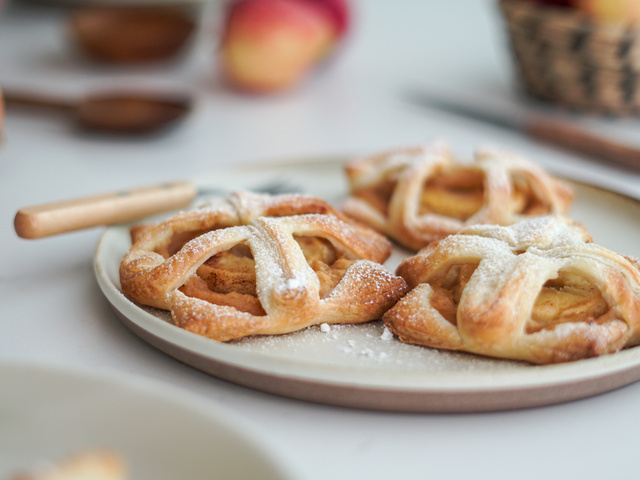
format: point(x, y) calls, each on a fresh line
point(102, 95)
point(269, 79)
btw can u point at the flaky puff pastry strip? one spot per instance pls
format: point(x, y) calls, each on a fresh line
point(537, 291)
point(287, 288)
point(421, 194)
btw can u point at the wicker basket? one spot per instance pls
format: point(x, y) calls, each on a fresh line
point(565, 57)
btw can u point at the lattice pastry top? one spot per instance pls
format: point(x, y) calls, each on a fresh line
point(421, 194)
point(255, 264)
point(538, 291)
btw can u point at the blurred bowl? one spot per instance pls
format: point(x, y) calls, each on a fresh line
point(131, 34)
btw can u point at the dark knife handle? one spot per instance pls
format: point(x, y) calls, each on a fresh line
point(566, 135)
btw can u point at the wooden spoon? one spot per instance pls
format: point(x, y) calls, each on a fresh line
point(126, 34)
point(119, 112)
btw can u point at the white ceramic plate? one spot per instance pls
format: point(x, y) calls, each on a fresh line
point(354, 365)
point(49, 413)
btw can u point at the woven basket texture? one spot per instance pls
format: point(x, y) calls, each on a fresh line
point(565, 57)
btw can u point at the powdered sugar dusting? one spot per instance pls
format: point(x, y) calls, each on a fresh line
point(293, 283)
point(366, 346)
point(360, 346)
point(386, 335)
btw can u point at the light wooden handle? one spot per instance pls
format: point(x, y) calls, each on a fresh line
point(565, 135)
point(106, 209)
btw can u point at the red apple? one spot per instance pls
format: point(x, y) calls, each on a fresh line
point(270, 45)
point(626, 11)
point(340, 11)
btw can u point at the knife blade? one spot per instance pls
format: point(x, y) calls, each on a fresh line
point(542, 127)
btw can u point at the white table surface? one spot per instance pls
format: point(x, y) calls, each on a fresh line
point(53, 311)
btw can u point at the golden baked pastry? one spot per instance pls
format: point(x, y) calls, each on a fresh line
point(256, 265)
point(421, 194)
point(538, 291)
point(85, 465)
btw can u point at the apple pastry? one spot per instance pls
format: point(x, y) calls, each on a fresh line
point(539, 291)
point(421, 194)
point(84, 465)
point(254, 264)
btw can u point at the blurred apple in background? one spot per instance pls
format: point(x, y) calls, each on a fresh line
point(627, 11)
point(270, 45)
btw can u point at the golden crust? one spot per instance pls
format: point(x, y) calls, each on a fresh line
point(538, 291)
point(419, 195)
point(257, 264)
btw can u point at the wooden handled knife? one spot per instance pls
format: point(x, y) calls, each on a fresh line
point(545, 128)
